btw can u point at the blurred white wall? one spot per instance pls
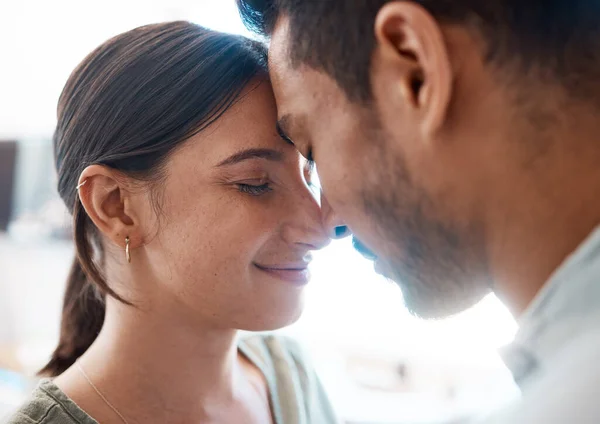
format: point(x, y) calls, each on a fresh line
point(41, 42)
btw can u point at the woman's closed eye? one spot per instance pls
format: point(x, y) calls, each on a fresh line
point(254, 189)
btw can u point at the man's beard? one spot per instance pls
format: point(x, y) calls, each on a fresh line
point(440, 265)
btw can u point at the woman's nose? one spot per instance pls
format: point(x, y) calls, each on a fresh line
point(333, 224)
point(305, 226)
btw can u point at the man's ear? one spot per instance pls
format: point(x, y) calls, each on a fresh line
point(414, 57)
point(108, 201)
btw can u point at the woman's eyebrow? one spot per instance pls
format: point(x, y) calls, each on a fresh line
point(253, 153)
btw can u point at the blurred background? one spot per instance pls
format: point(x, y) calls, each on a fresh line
point(379, 364)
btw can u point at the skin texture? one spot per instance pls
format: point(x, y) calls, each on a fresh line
point(197, 241)
point(463, 177)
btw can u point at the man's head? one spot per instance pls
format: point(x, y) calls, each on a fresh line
point(425, 117)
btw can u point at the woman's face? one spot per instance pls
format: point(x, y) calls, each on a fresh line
point(237, 222)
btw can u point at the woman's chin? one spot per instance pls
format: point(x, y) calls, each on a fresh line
point(271, 322)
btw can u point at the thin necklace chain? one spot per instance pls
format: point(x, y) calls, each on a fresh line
point(99, 393)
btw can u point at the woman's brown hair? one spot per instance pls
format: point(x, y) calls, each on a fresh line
point(127, 106)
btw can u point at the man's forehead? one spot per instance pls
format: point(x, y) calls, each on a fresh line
point(295, 87)
point(287, 82)
point(279, 47)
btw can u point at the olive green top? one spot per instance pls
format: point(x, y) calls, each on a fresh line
point(297, 396)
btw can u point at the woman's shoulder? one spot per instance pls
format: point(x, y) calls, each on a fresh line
point(270, 347)
point(280, 355)
point(290, 373)
point(49, 405)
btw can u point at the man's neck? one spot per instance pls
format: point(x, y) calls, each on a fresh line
point(553, 208)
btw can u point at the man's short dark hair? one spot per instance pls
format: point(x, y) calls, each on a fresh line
point(561, 38)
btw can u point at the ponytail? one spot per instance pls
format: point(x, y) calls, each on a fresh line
point(83, 304)
point(82, 319)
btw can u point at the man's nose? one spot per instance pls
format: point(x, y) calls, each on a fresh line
point(333, 224)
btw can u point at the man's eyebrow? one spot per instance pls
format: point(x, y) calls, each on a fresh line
point(268, 154)
point(282, 127)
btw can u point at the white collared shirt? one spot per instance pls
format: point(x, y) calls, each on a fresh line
point(555, 357)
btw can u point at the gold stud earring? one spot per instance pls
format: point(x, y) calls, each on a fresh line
point(127, 253)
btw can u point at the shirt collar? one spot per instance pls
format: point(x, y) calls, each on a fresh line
point(564, 304)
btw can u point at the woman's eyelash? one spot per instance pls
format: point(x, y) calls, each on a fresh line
point(255, 190)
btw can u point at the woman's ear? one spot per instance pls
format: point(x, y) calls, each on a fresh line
point(109, 202)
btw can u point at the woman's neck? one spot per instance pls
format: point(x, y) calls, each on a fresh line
point(153, 370)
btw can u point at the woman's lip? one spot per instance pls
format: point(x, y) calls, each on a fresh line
point(298, 275)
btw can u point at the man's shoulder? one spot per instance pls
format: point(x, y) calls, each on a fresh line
point(565, 390)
